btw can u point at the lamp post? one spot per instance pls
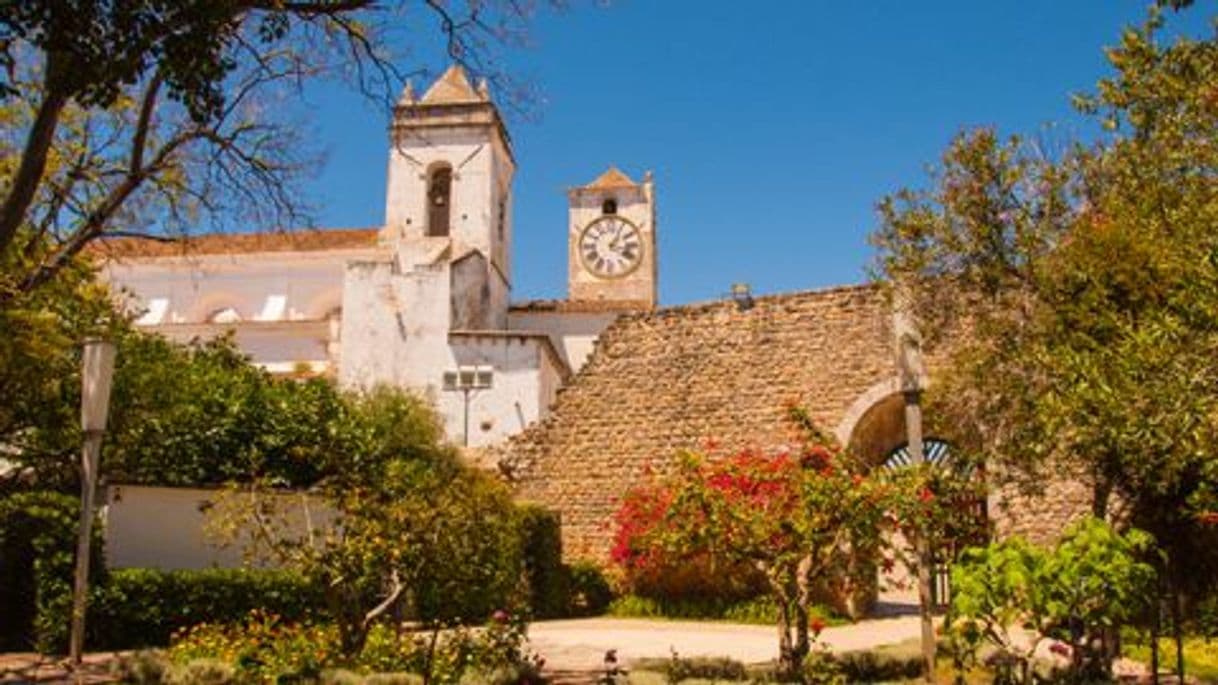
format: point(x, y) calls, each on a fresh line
point(912, 372)
point(97, 370)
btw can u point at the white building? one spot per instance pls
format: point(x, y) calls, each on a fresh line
point(423, 302)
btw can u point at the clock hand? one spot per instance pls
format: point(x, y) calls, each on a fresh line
point(616, 237)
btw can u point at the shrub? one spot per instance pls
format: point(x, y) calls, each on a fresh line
point(758, 611)
point(145, 607)
point(265, 649)
point(678, 668)
point(37, 556)
point(590, 592)
point(548, 580)
point(260, 649)
point(1079, 592)
point(880, 665)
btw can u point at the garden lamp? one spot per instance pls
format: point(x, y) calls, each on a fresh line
point(96, 373)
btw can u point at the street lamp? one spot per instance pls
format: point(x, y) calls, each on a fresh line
point(97, 370)
point(911, 375)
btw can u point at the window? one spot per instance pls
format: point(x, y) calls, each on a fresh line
point(502, 217)
point(155, 314)
point(439, 201)
point(609, 206)
point(469, 378)
point(273, 309)
point(225, 315)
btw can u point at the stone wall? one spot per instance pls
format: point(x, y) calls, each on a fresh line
point(679, 377)
point(1043, 514)
point(676, 378)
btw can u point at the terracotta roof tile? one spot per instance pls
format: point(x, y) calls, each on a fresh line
point(303, 240)
point(580, 306)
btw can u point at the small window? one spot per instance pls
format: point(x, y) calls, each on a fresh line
point(502, 218)
point(225, 315)
point(469, 378)
point(609, 206)
point(439, 201)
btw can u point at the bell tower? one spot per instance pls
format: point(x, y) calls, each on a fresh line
point(450, 178)
point(612, 241)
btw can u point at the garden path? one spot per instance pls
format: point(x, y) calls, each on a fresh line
point(579, 645)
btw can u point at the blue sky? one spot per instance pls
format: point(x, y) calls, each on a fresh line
point(772, 128)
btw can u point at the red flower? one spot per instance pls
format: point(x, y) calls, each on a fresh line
point(816, 624)
point(926, 495)
point(500, 616)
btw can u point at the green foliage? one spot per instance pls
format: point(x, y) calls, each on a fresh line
point(1075, 297)
point(678, 669)
point(1200, 653)
point(883, 664)
point(758, 610)
point(261, 648)
point(189, 415)
point(1012, 595)
point(548, 580)
point(37, 556)
point(417, 533)
point(40, 362)
point(145, 607)
point(266, 649)
point(589, 591)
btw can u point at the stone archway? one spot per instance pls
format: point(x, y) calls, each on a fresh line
point(873, 429)
point(874, 425)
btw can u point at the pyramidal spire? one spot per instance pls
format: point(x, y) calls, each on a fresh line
point(612, 178)
point(452, 87)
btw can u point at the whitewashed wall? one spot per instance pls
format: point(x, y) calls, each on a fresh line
point(573, 334)
point(165, 528)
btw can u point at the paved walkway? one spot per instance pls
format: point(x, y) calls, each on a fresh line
point(580, 644)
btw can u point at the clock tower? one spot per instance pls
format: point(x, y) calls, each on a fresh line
point(611, 240)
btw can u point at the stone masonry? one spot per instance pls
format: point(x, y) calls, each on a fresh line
point(682, 377)
point(679, 377)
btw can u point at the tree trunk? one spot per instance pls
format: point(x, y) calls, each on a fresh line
point(1177, 619)
point(33, 164)
point(1154, 636)
point(789, 661)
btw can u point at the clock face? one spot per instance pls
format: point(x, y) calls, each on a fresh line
point(611, 247)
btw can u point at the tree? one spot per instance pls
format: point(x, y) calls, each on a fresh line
point(143, 118)
point(796, 518)
point(1014, 595)
point(1076, 298)
point(411, 526)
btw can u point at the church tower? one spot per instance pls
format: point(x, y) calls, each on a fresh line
point(449, 190)
point(612, 241)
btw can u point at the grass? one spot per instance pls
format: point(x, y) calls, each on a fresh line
point(1200, 656)
point(756, 611)
point(899, 662)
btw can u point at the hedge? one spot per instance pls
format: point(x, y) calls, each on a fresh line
point(548, 580)
point(144, 607)
point(132, 608)
point(37, 559)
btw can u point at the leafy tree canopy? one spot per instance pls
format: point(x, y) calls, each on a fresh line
point(1074, 297)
